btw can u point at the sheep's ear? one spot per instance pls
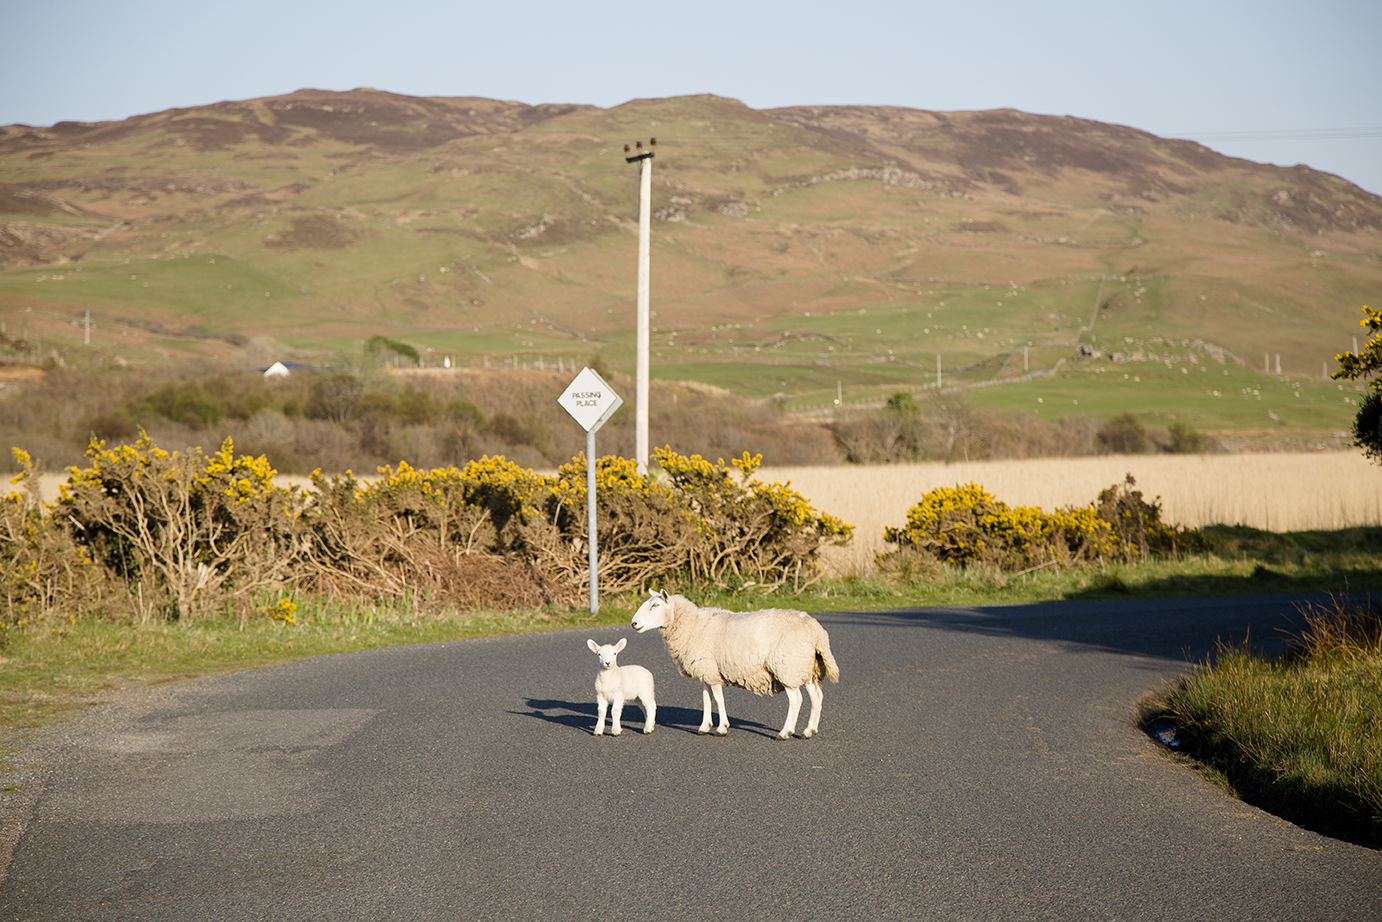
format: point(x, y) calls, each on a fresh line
point(594, 647)
point(653, 593)
point(665, 596)
point(623, 642)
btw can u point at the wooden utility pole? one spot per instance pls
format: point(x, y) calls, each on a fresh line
point(640, 401)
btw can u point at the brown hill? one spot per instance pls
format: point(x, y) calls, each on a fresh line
point(789, 244)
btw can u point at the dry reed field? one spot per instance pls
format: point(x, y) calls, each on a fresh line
point(1274, 492)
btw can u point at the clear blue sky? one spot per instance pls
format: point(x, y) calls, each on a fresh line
point(1213, 70)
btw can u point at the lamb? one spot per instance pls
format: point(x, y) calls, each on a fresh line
point(616, 684)
point(767, 651)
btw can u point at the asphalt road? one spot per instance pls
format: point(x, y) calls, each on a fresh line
point(972, 764)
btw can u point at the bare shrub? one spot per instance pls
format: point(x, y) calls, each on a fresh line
point(378, 417)
point(1184, 439)
point(44, 575)
point(753, 533)
point(948, 428)
point(449, 535)
point(645, 529)
point(182, 527)
point(1124, 435)
point(1017, 435)
point(1138, 527)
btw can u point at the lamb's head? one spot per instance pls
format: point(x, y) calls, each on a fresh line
point(655, 612)
point(608, 652)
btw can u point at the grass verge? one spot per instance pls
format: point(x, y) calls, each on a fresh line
point(48, 673)
point(1299, 735)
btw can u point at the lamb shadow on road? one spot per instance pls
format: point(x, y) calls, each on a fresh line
point(581, 716)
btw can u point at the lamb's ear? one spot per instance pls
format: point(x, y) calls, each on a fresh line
point(623, 642)
point(665, 596)
point(594, 647)
point(652, 592)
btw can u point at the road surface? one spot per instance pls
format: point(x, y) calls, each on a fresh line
point(973, 763)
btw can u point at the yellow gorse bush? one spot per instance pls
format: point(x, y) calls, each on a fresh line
point(44, 574)
point(180, 529)
point(176, 534)
point(967, 524)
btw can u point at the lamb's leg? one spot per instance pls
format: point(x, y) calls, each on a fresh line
point(615, 729)
point(793, 709)
point(704, 728)
point(603, 705)
point(814, 721)
point(723, 728)
point(649, 714)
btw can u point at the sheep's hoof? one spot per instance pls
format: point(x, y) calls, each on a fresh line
point(784, 735)
point(807, 734)
point(722, 731)
point(703, 731)
point(615, 732)
point(648, 730)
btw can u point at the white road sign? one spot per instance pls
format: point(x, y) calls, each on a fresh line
point(590, 400)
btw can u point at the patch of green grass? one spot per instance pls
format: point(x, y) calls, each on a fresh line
point(1208, 396)
point(1300, 734)
point(50, 671)
point(212, 290)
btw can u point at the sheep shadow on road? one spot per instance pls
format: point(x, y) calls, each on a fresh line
point(580, 715)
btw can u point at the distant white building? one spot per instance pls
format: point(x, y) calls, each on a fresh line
point(277, 370)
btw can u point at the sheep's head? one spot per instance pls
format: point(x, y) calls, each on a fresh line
point(654, 613)
point(608, 652)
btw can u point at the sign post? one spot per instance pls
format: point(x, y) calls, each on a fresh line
point(591, 402)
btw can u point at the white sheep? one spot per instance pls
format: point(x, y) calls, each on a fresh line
point(767, 651)
point(617, 684)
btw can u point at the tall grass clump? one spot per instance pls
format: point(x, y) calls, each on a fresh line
point(1299, 735)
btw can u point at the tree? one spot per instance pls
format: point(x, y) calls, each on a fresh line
point(1367, 424)
point(1124, 435)
point(1185, 440)
point(400, 350)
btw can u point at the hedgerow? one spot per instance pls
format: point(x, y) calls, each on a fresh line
point(176, 535)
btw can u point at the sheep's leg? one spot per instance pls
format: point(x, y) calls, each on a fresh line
point(793, 709)
point(649, 714)
point(723, 728)
point(814, 721)
point(704, 728)
point(603, 705)
point(615, 729)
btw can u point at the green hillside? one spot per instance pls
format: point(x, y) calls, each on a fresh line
point(797, 252)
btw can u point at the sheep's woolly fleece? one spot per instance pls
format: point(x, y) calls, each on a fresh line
point(764, 651)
